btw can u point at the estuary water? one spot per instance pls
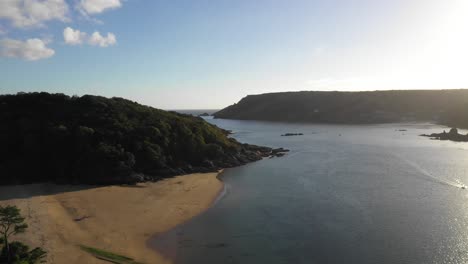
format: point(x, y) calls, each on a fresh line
point(344, 194)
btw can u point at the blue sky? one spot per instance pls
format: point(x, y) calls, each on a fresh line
point(209, 54)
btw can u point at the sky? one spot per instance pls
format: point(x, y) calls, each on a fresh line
point(205, 54)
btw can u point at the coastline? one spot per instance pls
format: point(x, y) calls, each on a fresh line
point(119, 219)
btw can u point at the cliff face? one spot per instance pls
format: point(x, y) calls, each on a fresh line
point(96, 140)
point(443, 106)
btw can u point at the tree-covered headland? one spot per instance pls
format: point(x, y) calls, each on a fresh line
point(98, 140)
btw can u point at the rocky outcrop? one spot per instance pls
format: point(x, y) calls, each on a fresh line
point(292, 134)
point(452, 135)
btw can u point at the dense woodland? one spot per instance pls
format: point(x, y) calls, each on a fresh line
point(448, 107)
point(91, 139)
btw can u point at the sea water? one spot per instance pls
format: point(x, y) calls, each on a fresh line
point(343, 194)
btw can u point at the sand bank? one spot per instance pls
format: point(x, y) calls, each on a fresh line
point(118, 219)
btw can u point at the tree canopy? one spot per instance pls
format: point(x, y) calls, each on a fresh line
point(12, 223)
point(98, 140)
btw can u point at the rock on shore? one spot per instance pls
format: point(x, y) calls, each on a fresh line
point(452, 135)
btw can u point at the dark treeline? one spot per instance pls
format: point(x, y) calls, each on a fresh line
point(449, 107)
point(91, 139)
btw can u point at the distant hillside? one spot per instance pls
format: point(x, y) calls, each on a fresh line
point(443, 106)
point(91, 139)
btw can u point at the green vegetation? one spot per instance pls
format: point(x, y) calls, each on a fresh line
point(448, 107)
point(108, 256)
point(11, 223)
point(97, 140)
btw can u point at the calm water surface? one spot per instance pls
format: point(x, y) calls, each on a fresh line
point(344, 194)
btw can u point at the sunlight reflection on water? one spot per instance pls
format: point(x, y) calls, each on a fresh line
point(344, 194)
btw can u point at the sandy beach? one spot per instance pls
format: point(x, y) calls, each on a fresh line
point(118, 219)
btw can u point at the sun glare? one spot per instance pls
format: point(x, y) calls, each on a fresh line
point(441, 56)
point(430, 51)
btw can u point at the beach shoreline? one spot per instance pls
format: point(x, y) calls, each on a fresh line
point(118, 219)
point(165, 243)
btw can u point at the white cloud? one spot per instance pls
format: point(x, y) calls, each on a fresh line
point(97, 39)
point(31, 49)
point(33, 13)
point(73, 37)
point(98, 6)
